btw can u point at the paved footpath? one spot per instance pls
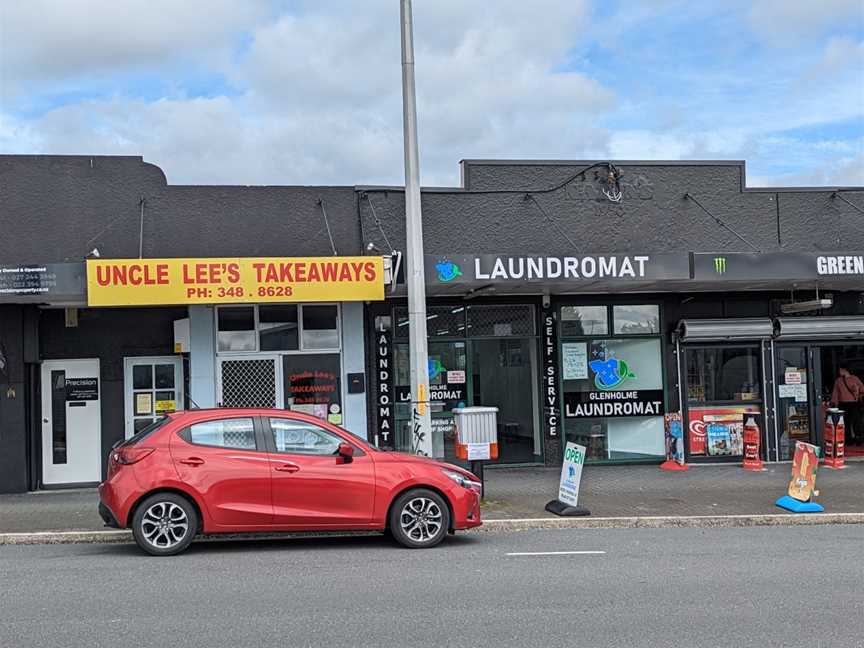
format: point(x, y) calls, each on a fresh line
point(795, 587)
point(517, 493)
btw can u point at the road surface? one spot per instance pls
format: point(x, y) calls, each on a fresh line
point(768, 586)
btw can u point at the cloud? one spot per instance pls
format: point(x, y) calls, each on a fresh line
point(784, 23)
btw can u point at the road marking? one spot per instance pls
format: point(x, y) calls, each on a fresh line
point(555, 553)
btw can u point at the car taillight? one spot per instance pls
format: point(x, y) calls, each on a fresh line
point(126, 456)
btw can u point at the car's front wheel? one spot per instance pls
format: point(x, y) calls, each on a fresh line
point(419, 519)
point(164, 524)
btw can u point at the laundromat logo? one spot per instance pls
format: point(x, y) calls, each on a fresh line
point(435, 368)
point(720, 265)
point(447, 271)
point(611, 373)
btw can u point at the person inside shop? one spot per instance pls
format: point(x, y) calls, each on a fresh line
point(848, 395)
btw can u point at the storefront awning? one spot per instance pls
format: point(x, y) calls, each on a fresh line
point(746, 328)
point(823, 328)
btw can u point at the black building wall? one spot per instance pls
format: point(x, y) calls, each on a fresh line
point(58, 208)
point(109, 334)
point(492, 214)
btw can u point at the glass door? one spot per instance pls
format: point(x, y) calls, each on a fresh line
point(796, 391)
point(503, 376)
point(154, 387)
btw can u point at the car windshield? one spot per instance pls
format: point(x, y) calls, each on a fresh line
point(359, 438)
point(143, 433)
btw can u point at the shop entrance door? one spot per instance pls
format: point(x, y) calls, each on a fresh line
point(798, 378)
point(71, 422)
point(153, 387)
point(503, 376)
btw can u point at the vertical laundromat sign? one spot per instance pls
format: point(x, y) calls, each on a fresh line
point(384, 394)
point(550, 375)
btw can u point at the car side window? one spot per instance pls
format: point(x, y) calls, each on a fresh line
point(236, 433)
point(300, 437)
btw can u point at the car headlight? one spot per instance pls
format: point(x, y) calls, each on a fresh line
point(462, 480)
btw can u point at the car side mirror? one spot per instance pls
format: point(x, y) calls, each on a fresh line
point(346, 452)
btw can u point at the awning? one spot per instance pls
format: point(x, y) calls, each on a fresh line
point(707, 330)
point(821, 328)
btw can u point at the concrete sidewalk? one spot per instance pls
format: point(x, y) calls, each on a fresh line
point(518, 493)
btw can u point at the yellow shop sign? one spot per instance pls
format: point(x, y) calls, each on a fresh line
point(150, 282)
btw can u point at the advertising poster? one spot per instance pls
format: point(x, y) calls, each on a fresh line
point(574, 360)
point(804, 465)
point(718, 431)
point(571, 474)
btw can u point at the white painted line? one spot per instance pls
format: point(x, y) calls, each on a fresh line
point(555, 553)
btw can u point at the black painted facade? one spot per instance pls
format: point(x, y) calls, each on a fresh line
point(58, 208)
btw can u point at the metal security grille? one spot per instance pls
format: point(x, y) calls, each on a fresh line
point(441, 321)
point(248, 383)
point(500, 321)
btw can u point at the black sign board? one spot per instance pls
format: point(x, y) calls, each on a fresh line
point(34, 282)
point(551, 407)
point(82, 389)
point(495, 269)
point(312, 382)
point(618, 403)
point(384, 393)
point(779, 266)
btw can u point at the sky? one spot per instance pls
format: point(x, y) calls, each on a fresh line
point(304, 92)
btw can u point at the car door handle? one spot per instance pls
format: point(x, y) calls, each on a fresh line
point(287, 467)
point(192, 461)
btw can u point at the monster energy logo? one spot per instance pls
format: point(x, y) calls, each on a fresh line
point(720, 265)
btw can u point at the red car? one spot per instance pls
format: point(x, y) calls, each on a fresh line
point(261, 470)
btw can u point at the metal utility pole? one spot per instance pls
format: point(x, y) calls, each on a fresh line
point(421, 423)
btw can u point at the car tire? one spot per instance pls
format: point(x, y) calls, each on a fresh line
point(419, 519)
point(164, 524)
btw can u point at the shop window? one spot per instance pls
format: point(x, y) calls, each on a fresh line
point(320, 327)
point(441, 321)
point(723, 374)
point(278, 328)
point(613, 397)
point(236, 328)
point(582, 321)
point(500, 321)
point(642, 319)
point(312, 385)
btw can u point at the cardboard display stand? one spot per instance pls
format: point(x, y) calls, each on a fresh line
point(802, 487)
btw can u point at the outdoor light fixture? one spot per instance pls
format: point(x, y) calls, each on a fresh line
point(93, 254)
point(807, 306)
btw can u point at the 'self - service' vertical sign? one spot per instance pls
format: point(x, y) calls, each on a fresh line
point(551, 406)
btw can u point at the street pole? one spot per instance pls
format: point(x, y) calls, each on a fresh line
point(421, 423)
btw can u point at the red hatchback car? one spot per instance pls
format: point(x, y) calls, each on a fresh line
point(261, 470)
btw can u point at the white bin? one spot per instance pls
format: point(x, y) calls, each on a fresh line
point(476, 425)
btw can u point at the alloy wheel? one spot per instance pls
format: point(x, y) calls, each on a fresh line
point(421, 519)
point(164, 525)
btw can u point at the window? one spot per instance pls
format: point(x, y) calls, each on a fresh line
point(278, 328)
point(723, 374)
point(299, 437)
point(224, 433)
point(320, 327)
point(580, 321)
point(636, 320)
point(236, 326)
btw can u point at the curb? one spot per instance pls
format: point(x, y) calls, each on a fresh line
point(489, 526)
point(672, 521)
